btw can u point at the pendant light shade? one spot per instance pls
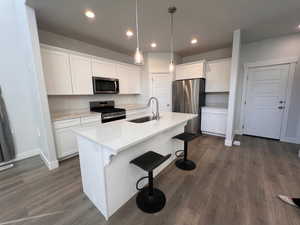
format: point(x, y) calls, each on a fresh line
point(138, 56)
point(171, 67)
point(172, 10)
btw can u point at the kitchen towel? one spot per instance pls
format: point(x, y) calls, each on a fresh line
point(7, 148)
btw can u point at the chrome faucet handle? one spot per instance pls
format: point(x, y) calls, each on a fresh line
point(153, 115)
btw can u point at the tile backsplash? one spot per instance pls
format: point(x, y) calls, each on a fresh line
point(78, 102)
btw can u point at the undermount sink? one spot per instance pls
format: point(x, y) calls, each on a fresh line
point(142, 119)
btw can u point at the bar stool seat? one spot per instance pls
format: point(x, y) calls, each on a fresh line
point(185, 164)
point(149, 199)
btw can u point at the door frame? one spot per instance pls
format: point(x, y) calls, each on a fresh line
point(292, 61)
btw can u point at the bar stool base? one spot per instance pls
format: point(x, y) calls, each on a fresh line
point(185, 164)
point(151, 203)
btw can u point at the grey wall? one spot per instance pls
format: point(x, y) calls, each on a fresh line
point(17, 81)
point(276, 48)
point(75, 45)
point(211, 55)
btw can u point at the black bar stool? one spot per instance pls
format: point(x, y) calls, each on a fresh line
point(149, 199)
point(184, 163)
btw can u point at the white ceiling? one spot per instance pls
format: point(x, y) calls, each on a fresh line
point(211, 21)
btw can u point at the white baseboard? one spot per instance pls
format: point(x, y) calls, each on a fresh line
point(23, 155)
point(51, 165)
point(213, 134)
point(238, 132)
point(290, 140)
point(27, 154)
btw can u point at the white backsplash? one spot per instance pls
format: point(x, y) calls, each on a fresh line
point(220, 98)
point(78, 102)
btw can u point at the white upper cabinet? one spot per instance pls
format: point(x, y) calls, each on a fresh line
point(190, 70)
point(218, 75)
point(81, 71)
point(104, 69)
point(70, 73)
point(57, 74)
point(129, 78)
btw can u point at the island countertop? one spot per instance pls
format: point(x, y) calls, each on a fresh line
point(122, 134)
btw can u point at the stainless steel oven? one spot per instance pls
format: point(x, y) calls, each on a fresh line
point(103, 85)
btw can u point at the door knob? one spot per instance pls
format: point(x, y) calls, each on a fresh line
point(280, 107)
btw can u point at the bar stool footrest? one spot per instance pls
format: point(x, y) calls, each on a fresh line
point(178, 155)
point(185, 164)
point(151, 203)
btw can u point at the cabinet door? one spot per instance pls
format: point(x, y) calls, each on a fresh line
point(214, 122)
point(66, 143)
point(56, 68)
point(190, 71)
point(218, 75)
point(129, 78)
point(104, 69)
point(81, 71)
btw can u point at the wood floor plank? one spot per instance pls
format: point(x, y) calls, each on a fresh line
point(230, 186)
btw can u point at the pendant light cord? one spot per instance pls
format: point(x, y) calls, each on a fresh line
point(172, 39)
point(137, 24)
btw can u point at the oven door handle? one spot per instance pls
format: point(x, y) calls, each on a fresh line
point(112, 117)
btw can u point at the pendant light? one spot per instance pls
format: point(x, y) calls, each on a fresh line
point(138, 56)
point(172, 10)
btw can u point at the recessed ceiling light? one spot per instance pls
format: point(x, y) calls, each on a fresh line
point(194, 41)
point(153, 45)
point(90, 14)
point(129, 33)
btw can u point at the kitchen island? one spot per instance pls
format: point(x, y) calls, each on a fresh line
point(105, 151)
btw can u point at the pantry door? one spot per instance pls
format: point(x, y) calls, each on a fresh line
point(162, 89)
point(265, 100)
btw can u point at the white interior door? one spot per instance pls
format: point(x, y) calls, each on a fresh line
point(162, 89)
point(265, 101)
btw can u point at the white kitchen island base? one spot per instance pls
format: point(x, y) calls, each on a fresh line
point(108, 178)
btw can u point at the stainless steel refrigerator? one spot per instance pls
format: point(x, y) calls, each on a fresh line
point(188, 96)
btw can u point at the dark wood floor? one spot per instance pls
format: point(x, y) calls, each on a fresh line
point(231, 186)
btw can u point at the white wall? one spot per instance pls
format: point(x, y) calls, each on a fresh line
point(275, 48)
point(75, 45)
point(232, 101)
point(210, 55)
point(155, 62)
point(18, 78)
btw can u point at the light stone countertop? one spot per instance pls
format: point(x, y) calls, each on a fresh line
point(65, 115)
point(121, 134)
point(129, 107)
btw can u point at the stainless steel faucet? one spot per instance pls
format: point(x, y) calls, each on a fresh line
point(156, 114)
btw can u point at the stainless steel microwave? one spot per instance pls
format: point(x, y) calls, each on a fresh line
point(103, 85)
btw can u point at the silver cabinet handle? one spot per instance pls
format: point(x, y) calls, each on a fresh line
point(281, 107)
point(281, 102)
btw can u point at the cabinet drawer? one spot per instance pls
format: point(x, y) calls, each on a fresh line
point(66, 123)
point(91, 119)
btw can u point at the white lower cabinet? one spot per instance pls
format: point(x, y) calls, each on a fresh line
point(214, 120)
point(65, 139)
